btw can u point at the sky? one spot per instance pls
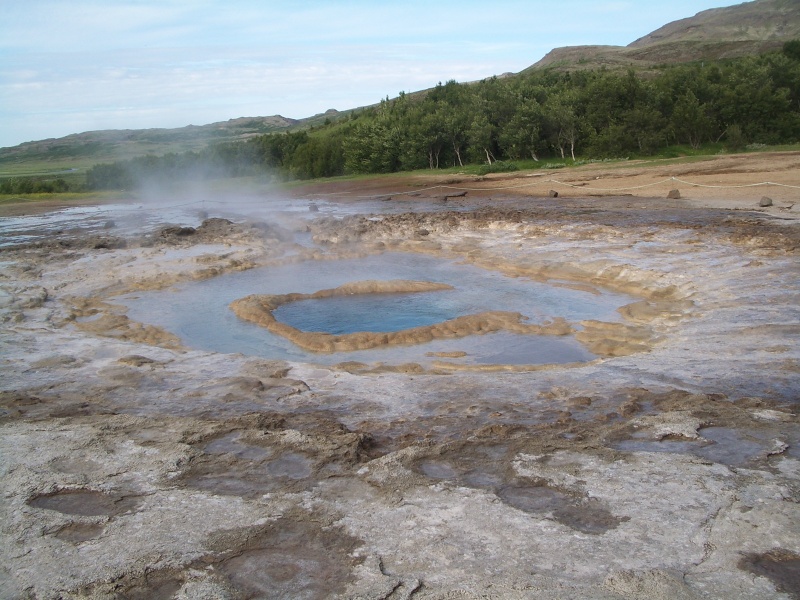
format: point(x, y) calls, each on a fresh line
point(69, 66)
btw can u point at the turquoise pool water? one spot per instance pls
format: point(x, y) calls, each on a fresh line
point(198, 312)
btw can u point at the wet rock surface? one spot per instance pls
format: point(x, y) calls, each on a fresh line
point(136, 467)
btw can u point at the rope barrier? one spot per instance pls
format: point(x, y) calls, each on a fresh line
point(501, 188)
point(572, 185)
point(797, 187)
point(634, 187)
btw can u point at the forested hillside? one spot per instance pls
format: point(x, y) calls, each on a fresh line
point(544, 114)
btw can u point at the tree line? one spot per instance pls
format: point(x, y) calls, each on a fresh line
point(33, 185)
point(543, 114)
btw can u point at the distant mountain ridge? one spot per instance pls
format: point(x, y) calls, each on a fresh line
point(761, 20)
point(118, 144)
point(728, 32)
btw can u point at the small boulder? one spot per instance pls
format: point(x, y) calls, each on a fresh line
point(674, 195)
point(176, 230)
point(765, 201)
point(553, 194)
point(105, 243)
point(136, 360)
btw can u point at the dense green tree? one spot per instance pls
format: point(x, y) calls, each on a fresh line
point(480, 135)
point(522, 135)
point(646, 126)
point(563, 119)
point(690, 120)
point(791, 49)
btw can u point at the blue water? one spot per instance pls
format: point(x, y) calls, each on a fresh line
point(198, 312)
point(371, 312)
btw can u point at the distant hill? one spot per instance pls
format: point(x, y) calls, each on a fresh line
point(730, 32)
point(115, 144)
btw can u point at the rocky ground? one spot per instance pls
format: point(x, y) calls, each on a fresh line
point(669, 467)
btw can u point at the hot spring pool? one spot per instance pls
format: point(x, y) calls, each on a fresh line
point(380, 313)
point(198, 312)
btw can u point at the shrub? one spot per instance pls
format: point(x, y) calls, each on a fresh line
point(734, 138)
point(498, 167)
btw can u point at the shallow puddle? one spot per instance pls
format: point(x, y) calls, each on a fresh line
point(156, 587)
point(436, 469)
point(291, 465)
point(292, 560)
point(231, 444)
point(160, 584)
point(76, 533)
point(235, 468)
point(153, 435)
point(782, 567)
point(594, 520)
point(482, 468)
point(85, 503)
point(586, 517)
point(199, 312)
point(109, 219)
point(722, 445)
point(730, 447)
point(476, 467)
point(673, 446)
point(482, 479)
point(76, 465)
point(533, 498)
